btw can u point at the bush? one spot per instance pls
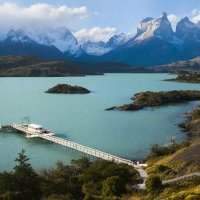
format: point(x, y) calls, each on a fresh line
point(82, 180)
point(153, 184)
point(113, 186)
point(157, 150)
point(162, 168)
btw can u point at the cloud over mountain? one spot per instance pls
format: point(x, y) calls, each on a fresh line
point(196, 16)
point(95, 34)
point(40, 16)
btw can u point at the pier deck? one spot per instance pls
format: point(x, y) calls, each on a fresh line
point(81, 148)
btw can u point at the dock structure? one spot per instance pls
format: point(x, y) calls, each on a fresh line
point(49, 136)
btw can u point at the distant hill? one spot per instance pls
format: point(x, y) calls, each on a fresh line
point(17, 66)
point(188, 65)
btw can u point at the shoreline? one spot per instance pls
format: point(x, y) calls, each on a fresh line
point(181, 81)
point(83, 75)
point(149, 99)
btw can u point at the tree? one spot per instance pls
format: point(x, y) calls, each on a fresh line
point(26, 181)
point(90, 189)
point(112, 186)
point(61, 180)
point(81, 164)
point(153, 184)
point(6, 182)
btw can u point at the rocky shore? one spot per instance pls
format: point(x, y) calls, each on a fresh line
point(192, 124)
point(67, 89)
point(187, 77)
point(152, 99)
point(176, 160)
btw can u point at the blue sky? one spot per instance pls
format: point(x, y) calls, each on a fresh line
point(120, 15)
point(125, 14)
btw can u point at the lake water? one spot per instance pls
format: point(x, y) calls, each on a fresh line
point(82, 118)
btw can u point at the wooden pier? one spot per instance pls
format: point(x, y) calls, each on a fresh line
point(78, 147)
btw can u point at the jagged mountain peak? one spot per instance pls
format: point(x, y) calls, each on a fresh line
point(186, 22)
point(187, 30)
point(95, 48)
point(118, 40)
point(164, 16)
point(150, 27)
point(101, 47)
point(61, 37)
point(147, 19)
point(186, 19)
point(18, 36)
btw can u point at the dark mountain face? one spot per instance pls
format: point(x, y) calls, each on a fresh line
point(17, 43)
point(29, 49)
point(146, 53)
point(188, 31)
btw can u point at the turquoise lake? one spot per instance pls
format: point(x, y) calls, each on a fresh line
point(82, 118)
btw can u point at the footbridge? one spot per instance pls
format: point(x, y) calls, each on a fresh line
point(51, 137)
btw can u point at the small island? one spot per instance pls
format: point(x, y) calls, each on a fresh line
point(187, 77)
point(67, 89)
point(152, 99)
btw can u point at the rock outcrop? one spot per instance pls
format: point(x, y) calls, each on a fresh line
point(67, 89)
point(152, 99)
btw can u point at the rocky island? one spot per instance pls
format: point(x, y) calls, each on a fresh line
point(152, 99)
point(187, 77)
point(67, 89)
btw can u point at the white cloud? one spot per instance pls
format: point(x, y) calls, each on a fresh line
point(95, 34)
point(40, 16)
point(195, 16)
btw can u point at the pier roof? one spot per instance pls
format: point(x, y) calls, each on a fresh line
point(35, 126)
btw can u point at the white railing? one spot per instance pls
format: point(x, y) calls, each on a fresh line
point(81, 148)
point(87, 150)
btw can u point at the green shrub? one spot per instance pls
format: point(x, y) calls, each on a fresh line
point(158, 150)
point(153, 184)
point(113, 186)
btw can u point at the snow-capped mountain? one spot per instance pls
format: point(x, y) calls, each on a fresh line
point(187, 30)
point(61, 38)
point(17, 42)
point(95, 48)
point(150, 27)
point(155, 43)
point(18, 36)
point(101, 48)
point(58, 43)
point(118, 40)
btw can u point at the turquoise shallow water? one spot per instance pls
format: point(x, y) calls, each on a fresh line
point(82, 117)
